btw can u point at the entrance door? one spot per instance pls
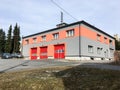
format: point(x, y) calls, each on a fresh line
point(59, 51)
point(43, 53)
point(33, 53)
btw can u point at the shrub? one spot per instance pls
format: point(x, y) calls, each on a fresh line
point(117, 56)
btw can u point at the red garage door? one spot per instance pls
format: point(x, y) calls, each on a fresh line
point(43, 53)
point(33, 53)
point(59, 51)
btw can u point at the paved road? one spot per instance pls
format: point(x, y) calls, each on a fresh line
point(8, 65)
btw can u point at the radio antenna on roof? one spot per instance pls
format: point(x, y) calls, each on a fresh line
point(63, 10)
point(61, 17)
point(62, 23)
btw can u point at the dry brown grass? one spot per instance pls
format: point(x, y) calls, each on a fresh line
point(61, 78)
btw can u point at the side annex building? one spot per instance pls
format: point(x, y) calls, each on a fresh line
point(75, 41)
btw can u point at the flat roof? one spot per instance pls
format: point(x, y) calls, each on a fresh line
point(75, 23)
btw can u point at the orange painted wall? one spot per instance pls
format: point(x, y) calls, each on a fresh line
point(38, 51)
point(87, 33)
point(30, 52)
point(107, 41)
point(62, 34)
point(113, 43)
point(49, 37)
point(77, 31)
point(38, 39)
point(30, 40)
point(84, 31)
point(51, 50)
point(23, 41)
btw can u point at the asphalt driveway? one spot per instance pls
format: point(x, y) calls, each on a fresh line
point(7, 65)
point(10, 65)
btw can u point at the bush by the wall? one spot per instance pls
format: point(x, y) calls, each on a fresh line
point(117, 56)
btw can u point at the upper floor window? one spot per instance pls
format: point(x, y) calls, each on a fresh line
point(111, 42)
point(44, 38)
point(27, 41)
point(90, 49)
point(34, 40)
point(98, 37)
point(105, 40)
point(56, 35)
point(70, 33)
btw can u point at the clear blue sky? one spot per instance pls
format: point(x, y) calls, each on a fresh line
point(38, 15)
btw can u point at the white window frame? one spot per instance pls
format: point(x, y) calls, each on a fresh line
point(98, 37)
point(70, 33)
point(27, 41)
point(90, 49)
point(43, 38)
point(34, 40)
point(111, 52)
point(105, 40)
point(111, 42)
point(55, 35)
point(99, 50)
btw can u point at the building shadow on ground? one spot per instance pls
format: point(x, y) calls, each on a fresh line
point(88, 76)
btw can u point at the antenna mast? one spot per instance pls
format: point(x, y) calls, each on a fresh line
point(61, 21)
point(61, 17)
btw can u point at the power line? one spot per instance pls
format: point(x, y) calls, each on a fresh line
point(64, 10)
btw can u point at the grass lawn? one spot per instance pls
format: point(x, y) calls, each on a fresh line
point(61, 78)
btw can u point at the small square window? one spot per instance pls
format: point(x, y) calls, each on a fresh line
point(105, 40)
point(70, 33)
point(99, 50)
point(56, 35)
point(98, 37)
point(90, 49)
point(34, 40)
point(44, 38)
point(27, 41)
point(111, 52)
point(111, 42)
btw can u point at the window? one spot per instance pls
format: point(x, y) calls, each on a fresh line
point(98, 37)
point(99, 50)
point(90, 49)
point(111, 52)
point(56, 35)
point(27, 41)
point(105, 40)
point(44, 38)
point(70, 33)
point(106, 53)
point(111, 42)
point(34, 40)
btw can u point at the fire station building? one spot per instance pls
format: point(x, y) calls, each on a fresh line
point(75, 41)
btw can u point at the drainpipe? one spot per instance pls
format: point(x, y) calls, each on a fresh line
point(22, 46)
point(79, 42)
